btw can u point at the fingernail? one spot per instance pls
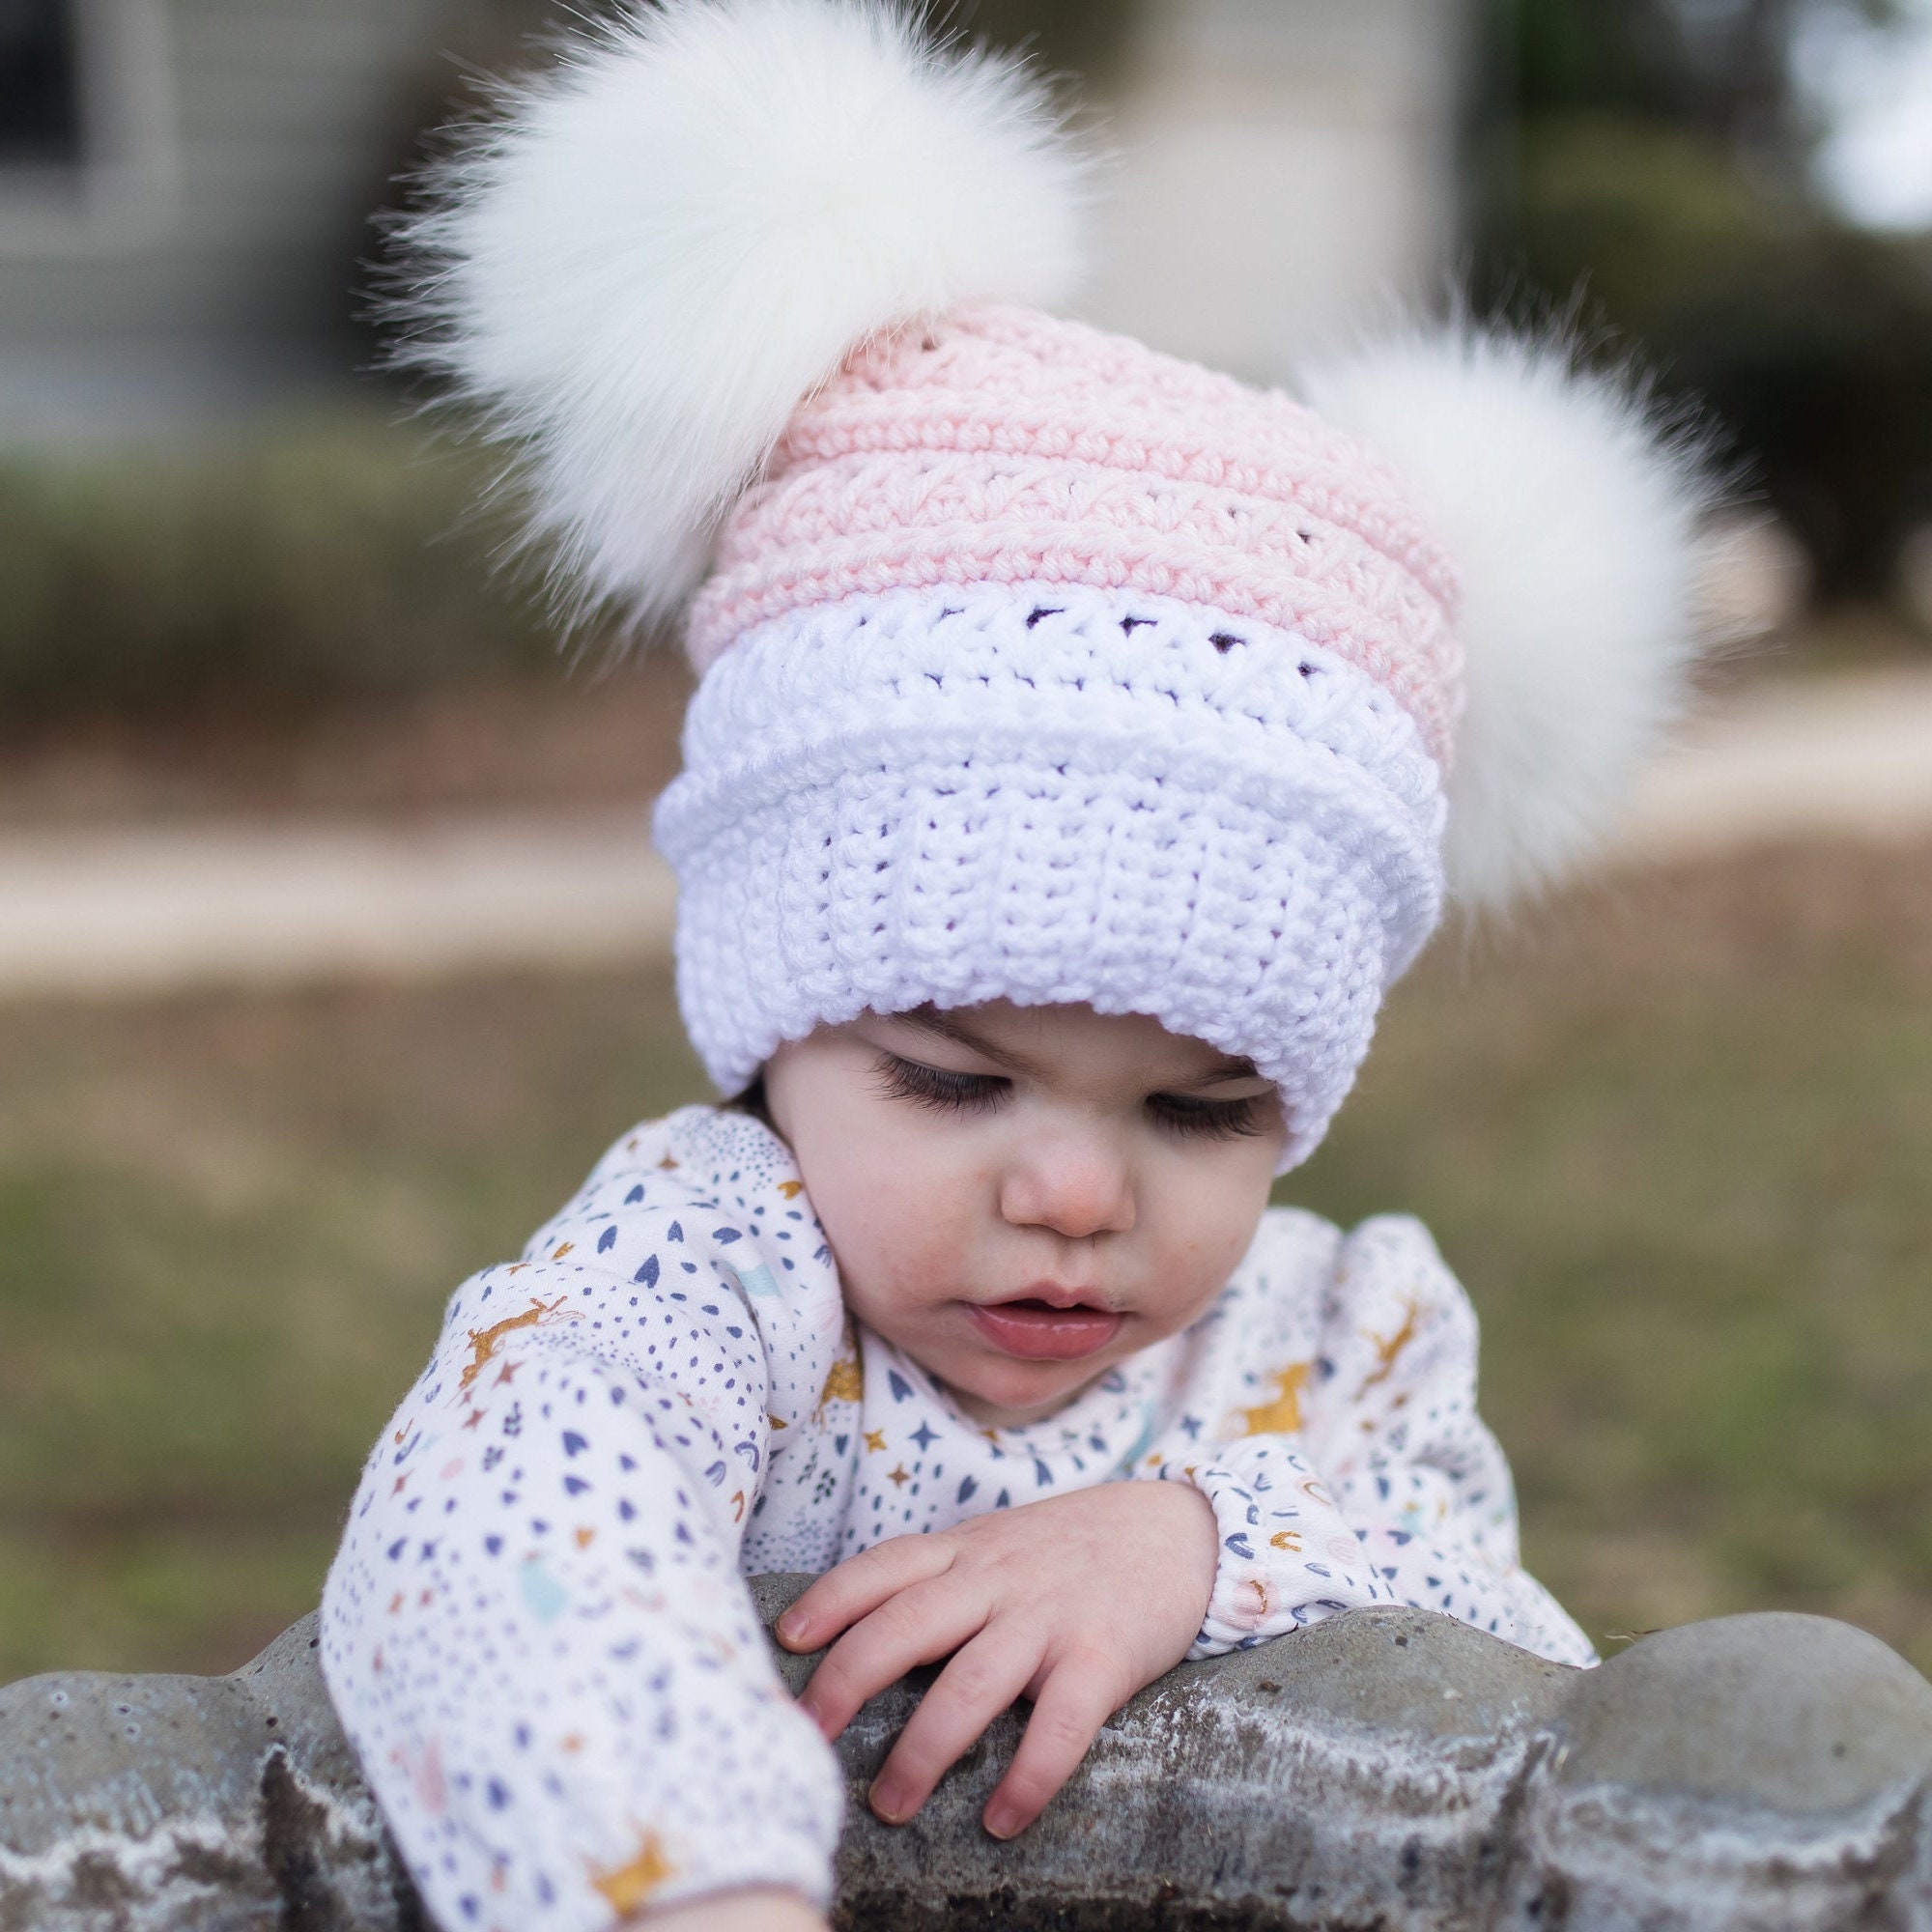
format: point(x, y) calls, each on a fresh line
point(888, 1799)
point(793, 1626)
point(1002, 1820)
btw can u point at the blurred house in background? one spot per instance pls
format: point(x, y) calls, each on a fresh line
point(184, 184)
point(184, 191)
point(186, 188)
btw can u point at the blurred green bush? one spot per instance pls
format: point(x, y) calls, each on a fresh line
point(1649, 164)
point(1811, 341)
point(312, 562)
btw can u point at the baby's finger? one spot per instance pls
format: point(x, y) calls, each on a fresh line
point(1082, 1693)
point(858, 1587)
point(986, 1677)
point(918, 1626)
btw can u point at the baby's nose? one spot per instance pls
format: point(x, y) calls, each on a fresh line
point(1076, 1188)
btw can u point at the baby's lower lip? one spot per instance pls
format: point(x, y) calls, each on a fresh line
point(1035, 1332)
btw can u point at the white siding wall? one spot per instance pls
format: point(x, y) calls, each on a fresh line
point(1286, 172)
point(1285, 166)
point(241, 146)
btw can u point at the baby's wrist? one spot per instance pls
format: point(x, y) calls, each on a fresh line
point(1194, 1550)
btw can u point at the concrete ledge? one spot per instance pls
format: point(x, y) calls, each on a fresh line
point(1387, 1769)
point(194, 1804)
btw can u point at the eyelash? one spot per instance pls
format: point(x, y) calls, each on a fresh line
point(942, 1092)
point(936, 1088)
point(1210, 1120)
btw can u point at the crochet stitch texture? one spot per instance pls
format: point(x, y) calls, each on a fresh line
point(1051, 794)
point(1042, 667)
point(1000, 445)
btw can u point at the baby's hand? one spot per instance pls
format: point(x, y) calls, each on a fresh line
point(1075, 1601)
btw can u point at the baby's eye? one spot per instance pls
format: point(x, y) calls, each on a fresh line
point(1212, 1120)
point(936, 1088)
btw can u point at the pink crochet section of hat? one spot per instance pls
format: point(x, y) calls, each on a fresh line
point(1001, 445)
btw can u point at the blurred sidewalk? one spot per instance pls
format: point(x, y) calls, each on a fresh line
point(1845, 755)
point(147, 909)
point(151, 910)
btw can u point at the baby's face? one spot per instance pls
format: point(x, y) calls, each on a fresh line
point(1019, 1197)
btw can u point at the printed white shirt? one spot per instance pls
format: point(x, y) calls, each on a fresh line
point(536, 1631)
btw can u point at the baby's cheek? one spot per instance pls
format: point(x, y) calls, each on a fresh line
point(1202, 1241)
point(902, 1234)
point(911, 1276)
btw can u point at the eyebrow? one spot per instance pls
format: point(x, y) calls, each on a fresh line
point(944, 1026)
point(1228, 1068)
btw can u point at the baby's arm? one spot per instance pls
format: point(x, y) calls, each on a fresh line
point(535, 1632)
point(1371, 1477)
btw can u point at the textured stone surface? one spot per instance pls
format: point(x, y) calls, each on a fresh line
point(194, 1804)
point(1389, 1768)
point(1798, 1714)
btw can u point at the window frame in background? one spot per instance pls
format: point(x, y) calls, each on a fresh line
point(115, 187)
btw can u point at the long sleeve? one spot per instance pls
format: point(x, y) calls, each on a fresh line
point(535, 1631)
point(1358, 1471)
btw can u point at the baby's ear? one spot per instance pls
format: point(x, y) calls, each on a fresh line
point(640, 266)
point(1575, 515)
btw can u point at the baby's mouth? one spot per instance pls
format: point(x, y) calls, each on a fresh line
point(1036, 1329)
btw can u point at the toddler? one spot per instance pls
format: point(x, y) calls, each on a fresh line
point(1083, 744)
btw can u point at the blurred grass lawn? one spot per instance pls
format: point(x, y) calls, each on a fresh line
point(1676, 1136)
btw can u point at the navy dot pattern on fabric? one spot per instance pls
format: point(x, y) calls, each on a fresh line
point(536, 1631)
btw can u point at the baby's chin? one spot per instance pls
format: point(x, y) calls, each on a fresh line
point(1015, 1395)
point(1002, 1416)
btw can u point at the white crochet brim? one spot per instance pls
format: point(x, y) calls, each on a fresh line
point(1050, 795)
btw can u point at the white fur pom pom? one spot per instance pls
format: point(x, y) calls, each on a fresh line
point(642, 266)
point(1572, 517)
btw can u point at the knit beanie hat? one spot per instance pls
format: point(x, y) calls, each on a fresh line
point(1034, 665)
